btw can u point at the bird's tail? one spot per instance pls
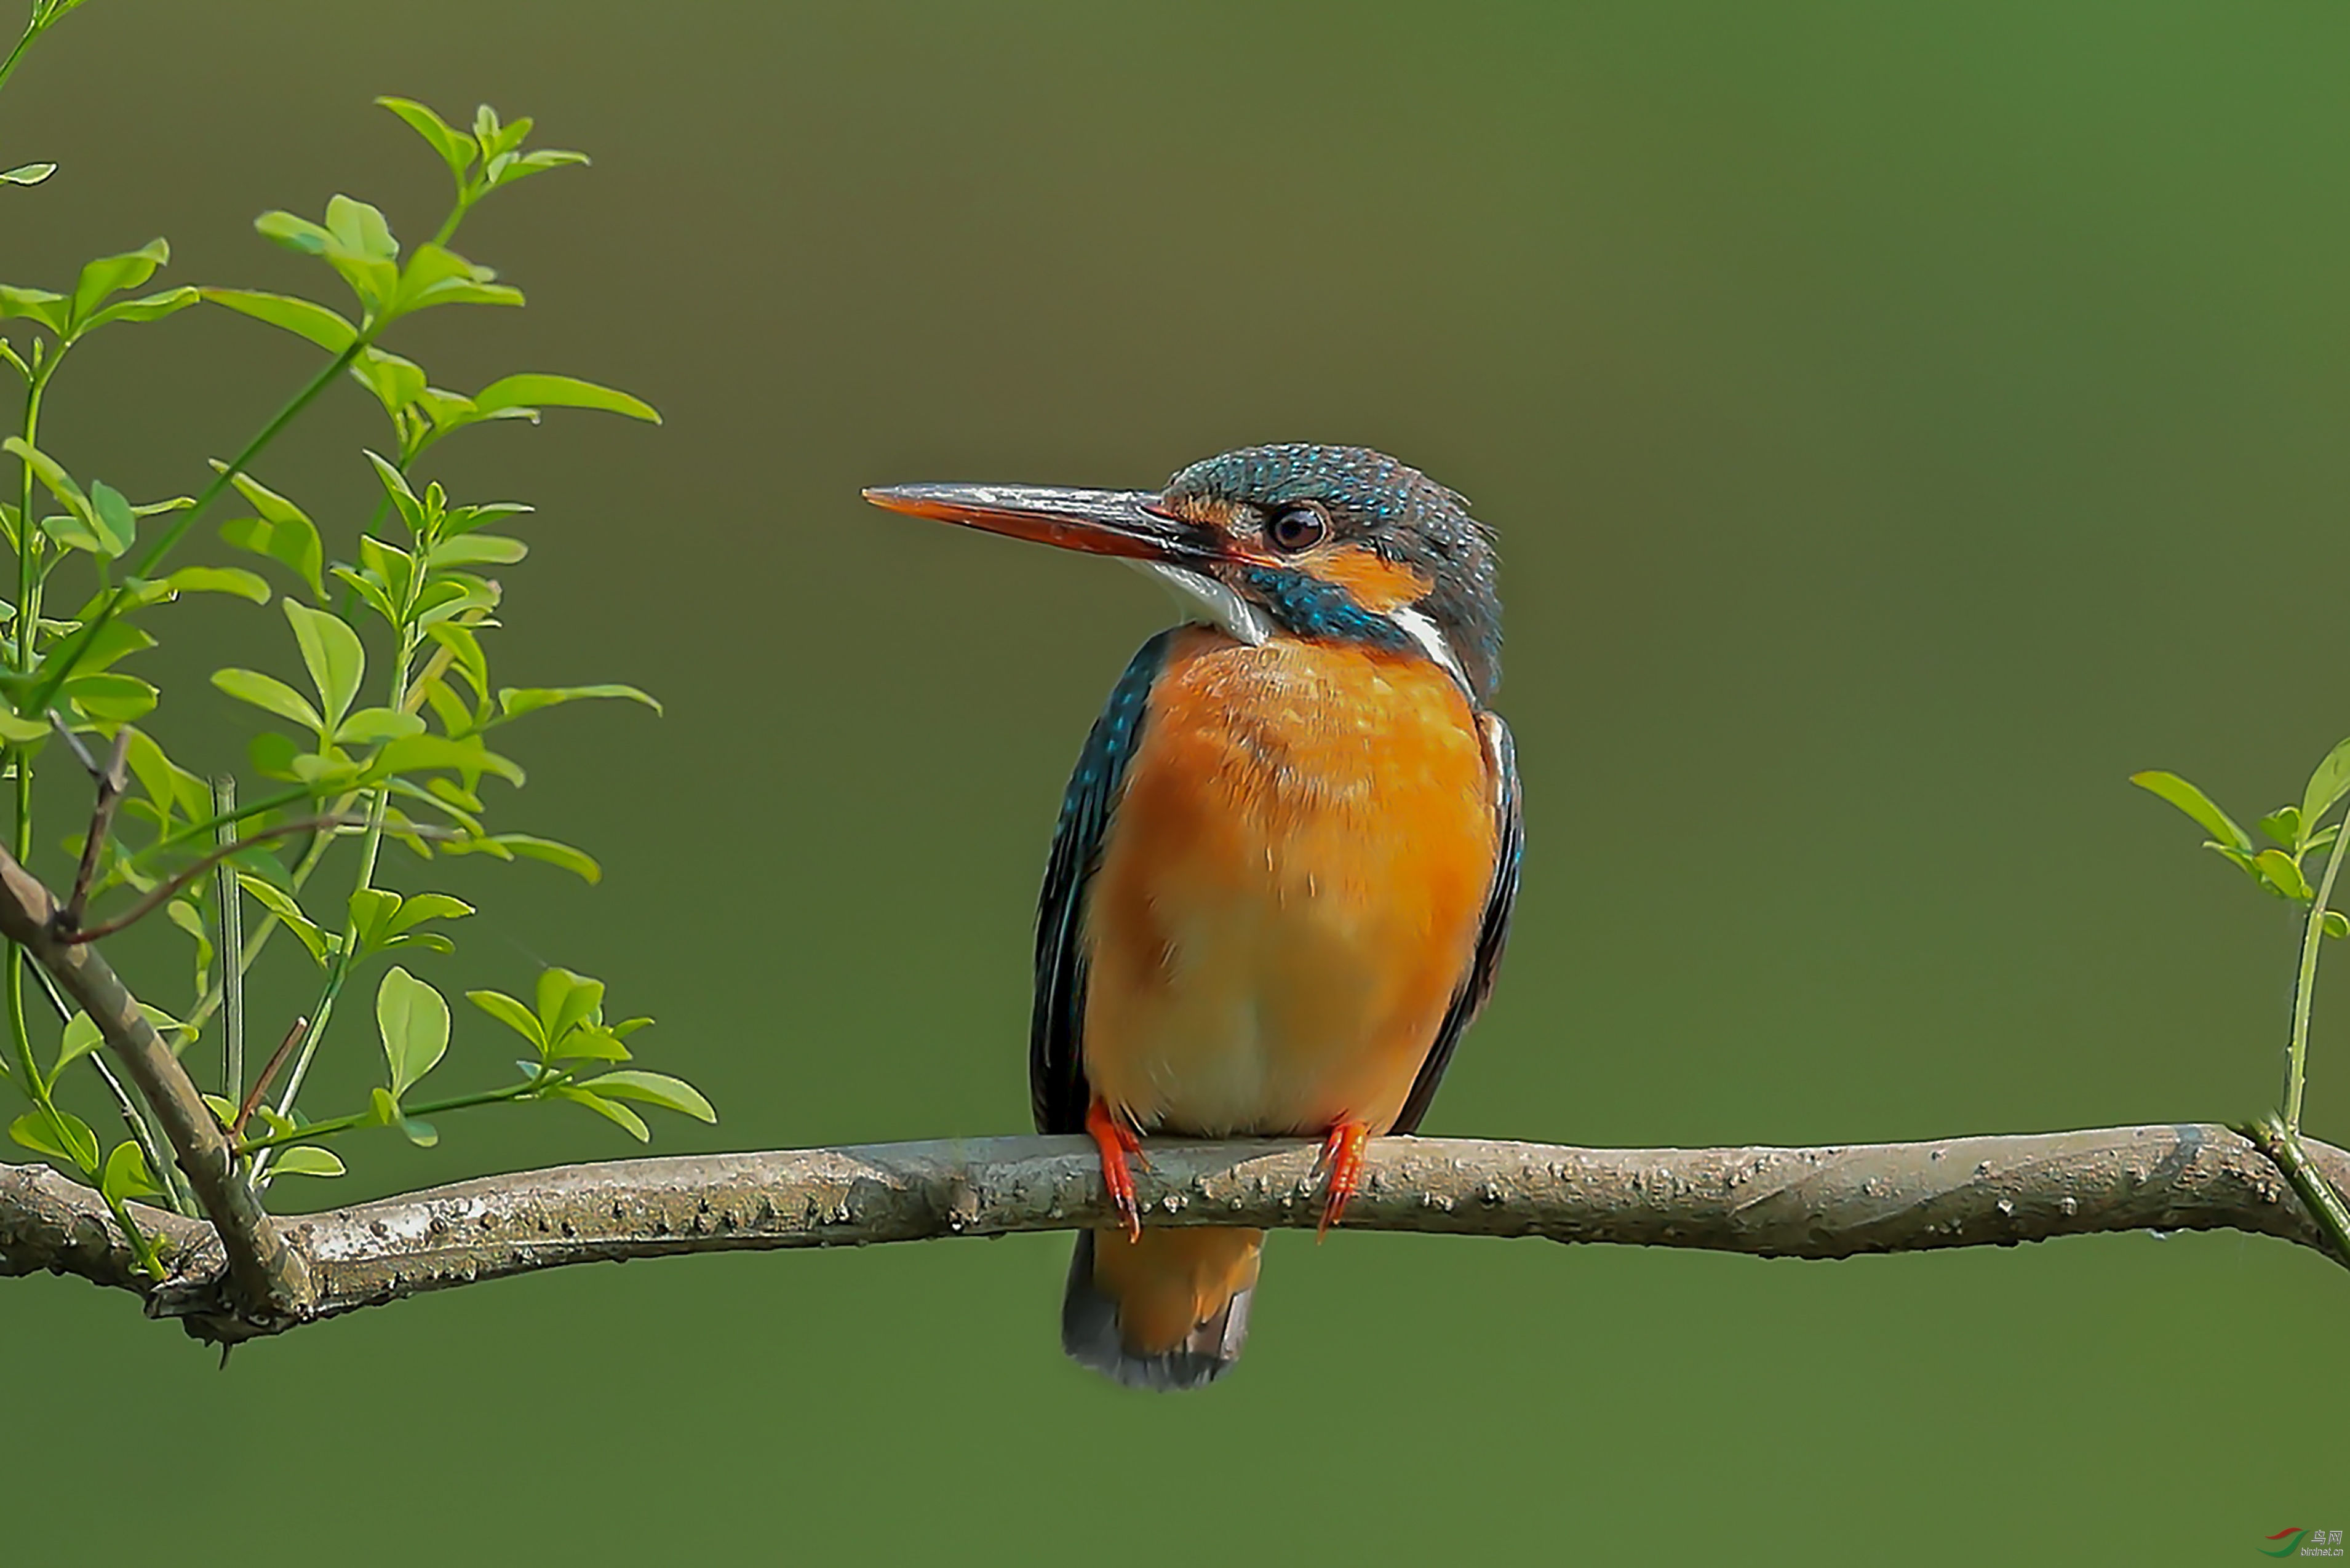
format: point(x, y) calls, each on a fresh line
point(1167, 1310)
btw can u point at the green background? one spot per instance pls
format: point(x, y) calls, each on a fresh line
point(1902, 423)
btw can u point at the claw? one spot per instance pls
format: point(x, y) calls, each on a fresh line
point(1342, 1157)
point(1117, 1144)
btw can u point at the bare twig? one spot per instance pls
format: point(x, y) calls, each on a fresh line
point(110, 782)
point(271, 1281)
point(1832, 1202)
point(69, 929)
point(269, 1070)
point(228, 905)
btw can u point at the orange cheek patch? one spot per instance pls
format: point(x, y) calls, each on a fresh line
point(1371, 581)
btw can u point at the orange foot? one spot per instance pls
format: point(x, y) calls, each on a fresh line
point(1117, 1143)
point(1342, 1157)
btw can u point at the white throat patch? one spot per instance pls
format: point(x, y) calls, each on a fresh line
point(1235, 614)
point(1430, 637)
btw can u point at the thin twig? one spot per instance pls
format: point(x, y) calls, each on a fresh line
point(228, 899)
point(261, 1084)
point(73, 742)
point(163, 893)
point(110, 783)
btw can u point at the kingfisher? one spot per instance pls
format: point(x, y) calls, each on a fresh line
point(1281, 876)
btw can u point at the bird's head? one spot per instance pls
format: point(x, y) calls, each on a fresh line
point(1329, 542)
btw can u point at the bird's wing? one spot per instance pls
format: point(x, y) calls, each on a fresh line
point(1056, 1072)
point(1478, 984)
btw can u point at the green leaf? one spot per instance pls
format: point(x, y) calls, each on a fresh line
point(654, 1089)
point(2283, 825)
point(590, 1042)
point(2280, 871)
point(81, 1038)
point(306, 1159)
point(516, 700)
point(422, 907)
point(532, 847)
point(388, 565)
point(418, 754)
point(109, 697)
point(610, 1110)
point(26, 173)
point(465, 654)
point(478, 549)
point(369, 592)
point(127, 1175)
point(538, 162)
point(19, 731)
point(371, 910)
point(396, 382)
point(108, 646)
point(38, 305)
point(456, 148)
point(370, 726)
point(280, 903)
point(111, 274)
point(361, 228)
point(510, 1013)
point(2327, 784)
point(166, 783)
point(2336, 924)
point(115, 523)
point(382, 1109)
point(61, 1135)
point(148, 308)
point(53, 478)
point(302, 318)
point(536, 390)
point(298, 234)
point(423, 1135)
point(331, 651)
point(2195, 804)
point(415, 1023)
point(234, 580)
point(283, 532)
point(271, 694)
point(565, 998)
point(395, 485)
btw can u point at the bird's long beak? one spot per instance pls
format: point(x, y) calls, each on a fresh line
point(1101, 522)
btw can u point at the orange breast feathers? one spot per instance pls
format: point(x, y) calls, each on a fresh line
point(1290, 890)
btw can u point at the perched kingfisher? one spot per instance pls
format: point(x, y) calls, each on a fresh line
point(1282, 878)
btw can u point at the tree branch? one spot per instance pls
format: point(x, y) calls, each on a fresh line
point(1832, 1202)
point(273, 1285)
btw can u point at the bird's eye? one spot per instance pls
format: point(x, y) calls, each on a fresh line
point(1298, 528)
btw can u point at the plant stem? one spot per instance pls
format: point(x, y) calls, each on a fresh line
point(370, 848)
point(32, 29)
point(353, 1123)
point(230, 901)
point(2306, 988)
point(166, 1173)
point(2332, 1214)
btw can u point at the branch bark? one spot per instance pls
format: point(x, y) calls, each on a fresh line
point(272, 1281)
point(1829, 1202)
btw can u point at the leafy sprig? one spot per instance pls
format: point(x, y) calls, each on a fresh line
point(378, 727)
